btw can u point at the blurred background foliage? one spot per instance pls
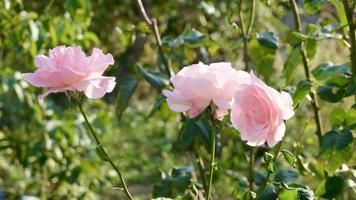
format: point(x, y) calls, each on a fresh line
point(45, 152)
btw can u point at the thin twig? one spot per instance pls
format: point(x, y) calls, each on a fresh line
point(246, 33)
point(101, 148)
point(305, 60)
point(152, 23)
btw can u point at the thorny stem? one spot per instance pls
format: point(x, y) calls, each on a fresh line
point(352, 28)
point(246, 33)
point(278, 148)
point(312, 94)
point(101, 148)
point(152, 23)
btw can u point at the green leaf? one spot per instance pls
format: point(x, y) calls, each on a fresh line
point(100, 152)
point(269, 160)
point(268, 194)
point(192, 37)
point(338, 116)
point(127, 85)
point(186, 135)
point(331, 187)
point(290, 158)
point(313, 6)
point(340, 11)
point(336, 149)
point(288, 195)
point(268, 39)
point(330, 94)
point(301, 92)
point(156, 79)
point(335, 139)
point(337, 74)
point(292, 62)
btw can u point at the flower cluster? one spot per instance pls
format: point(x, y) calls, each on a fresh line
point(257, 110)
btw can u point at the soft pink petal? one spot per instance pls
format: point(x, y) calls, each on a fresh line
point(277, 136)
point(96, 88)
point(43, 61)
point(286, 105)
point(100, 61)
point(176, 102)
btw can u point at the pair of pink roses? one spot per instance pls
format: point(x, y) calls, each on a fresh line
point(257, 111)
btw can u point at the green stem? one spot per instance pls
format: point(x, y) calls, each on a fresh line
point(101, 148)
point(352, 28)
point(250, 169)
point(246, 33)
point(305, 60)
point(278, 148)
point(212, 159)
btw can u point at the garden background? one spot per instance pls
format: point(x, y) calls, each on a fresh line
point(46, 153)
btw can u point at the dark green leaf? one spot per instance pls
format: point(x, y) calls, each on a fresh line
point(186, 135)
point(292, 62)
point(268, 194)
point(336, 149)
point(286, 176)
point(156, 79)
point(336, 139)
point(126, 87)
point(331, 187)
point(302, 91)
point(330, 94)
point(268, 39)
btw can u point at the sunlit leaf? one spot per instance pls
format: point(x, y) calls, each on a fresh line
point(292, 62)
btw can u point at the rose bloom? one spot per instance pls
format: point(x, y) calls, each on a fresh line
point(258, 112)
point(69, 69)
point(196, 86)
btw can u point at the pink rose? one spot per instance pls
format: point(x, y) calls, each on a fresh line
point(197, 85)
point(68, 68)
point(258, 112)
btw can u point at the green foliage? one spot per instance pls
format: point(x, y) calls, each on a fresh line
point(45, 151)
point(127, 86)
point(268, 39)
point(156, 79)
point(292, 62)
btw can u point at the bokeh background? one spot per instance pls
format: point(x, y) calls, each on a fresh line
point(45, 152)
